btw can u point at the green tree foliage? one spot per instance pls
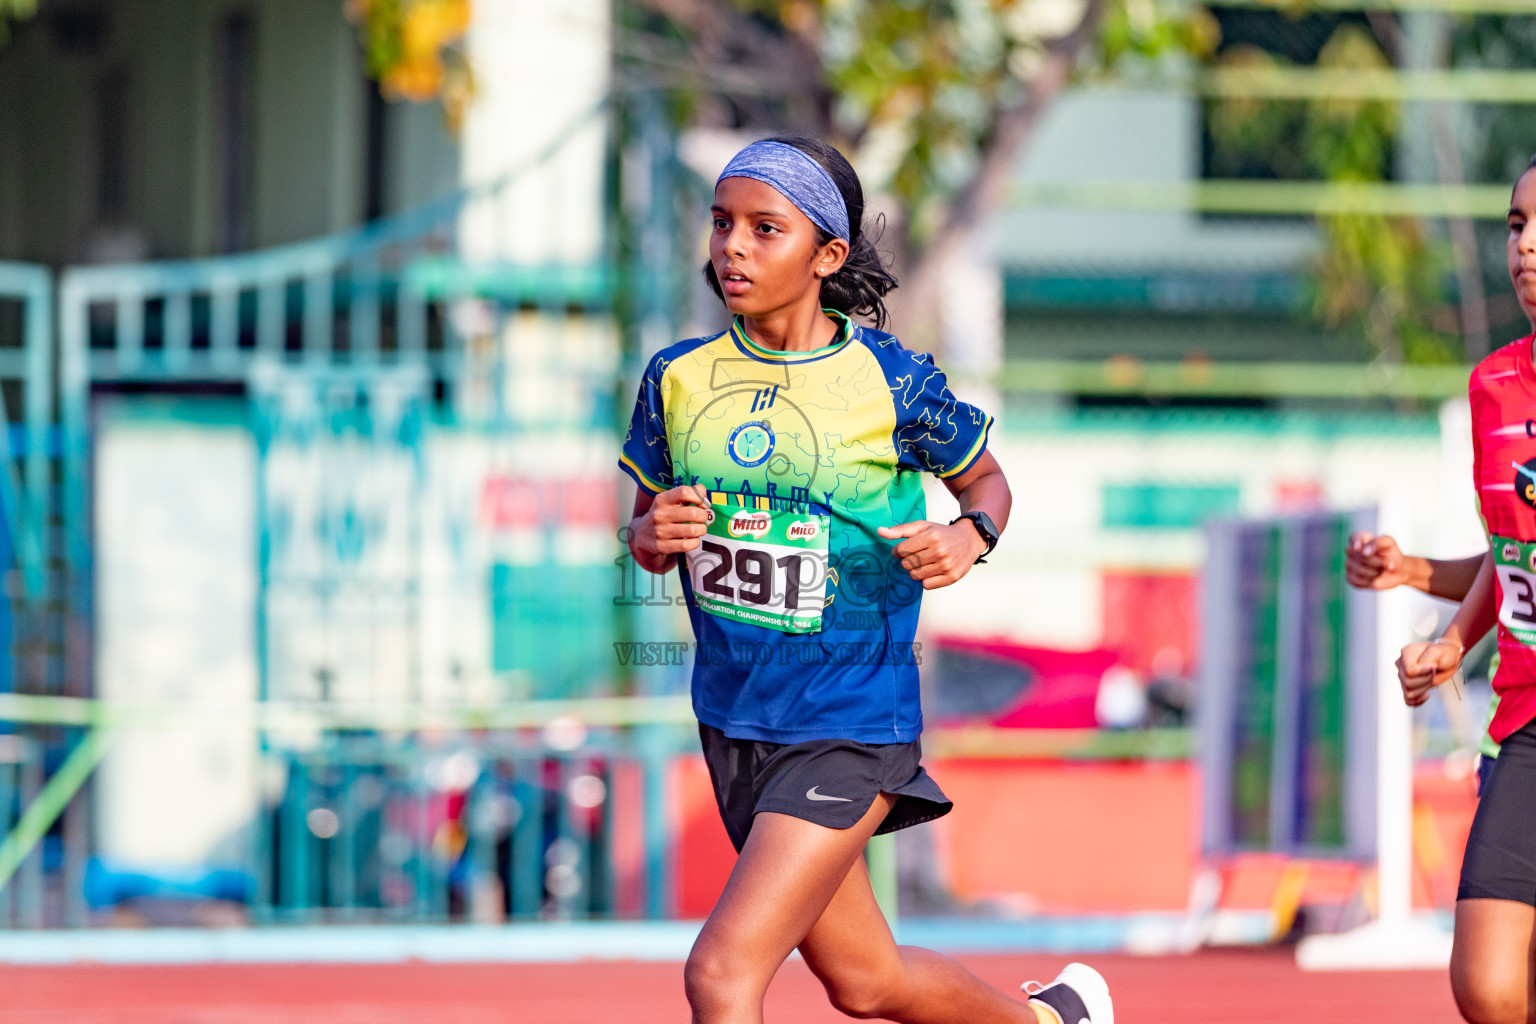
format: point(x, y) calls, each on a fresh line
point(1504, 134)
point(931, 99)
point(11, 11)
point(930, 84)
point(1502, 140)
point(1383, 276)
point(413, 50)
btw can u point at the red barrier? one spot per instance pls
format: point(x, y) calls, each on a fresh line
point(1094, 837)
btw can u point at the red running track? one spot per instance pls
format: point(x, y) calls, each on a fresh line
point(1209, 988)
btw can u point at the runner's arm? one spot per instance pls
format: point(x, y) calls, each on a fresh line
point(1423, 666)
point(1451, 578)
point(1477, 613)
point(1377, 563)
point(666, 525)
point(938, 554)
point(983, 488)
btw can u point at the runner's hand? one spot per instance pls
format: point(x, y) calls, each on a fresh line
point(936, 554)
point(671, 526)
point(1374, 563)
point(1422, 667)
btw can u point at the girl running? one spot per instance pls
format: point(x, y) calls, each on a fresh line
point(779, 468)
point(1491, 961)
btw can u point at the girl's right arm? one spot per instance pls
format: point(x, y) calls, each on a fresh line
point(1421, 667)
point(1377, 563)
point(666, 525)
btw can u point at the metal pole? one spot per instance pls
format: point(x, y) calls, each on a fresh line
point(29, 870)
point(8, 778)
point(880, 856)
point(294, 842)
point(526, 879)
point(346, 838)
point(77, 851)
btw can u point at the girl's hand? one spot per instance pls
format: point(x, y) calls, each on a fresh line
point(1422, 667)
point(936, 554)
point(670, 527)
point(1374, 563)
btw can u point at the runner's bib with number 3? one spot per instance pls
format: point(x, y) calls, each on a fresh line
point(1515, 563)
point(765, 568)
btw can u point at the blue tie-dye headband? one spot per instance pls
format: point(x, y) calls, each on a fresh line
point(798, 177)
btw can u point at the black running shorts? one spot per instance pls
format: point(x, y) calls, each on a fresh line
point(1501, 850)
point(829, 782)
point(1484, 771)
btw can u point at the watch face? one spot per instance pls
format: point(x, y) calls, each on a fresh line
point(983, 524)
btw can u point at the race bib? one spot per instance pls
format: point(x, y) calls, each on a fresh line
point(1515, 563)
point(766, 568)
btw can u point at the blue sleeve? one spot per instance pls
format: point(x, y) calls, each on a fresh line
point(645, 456)
point(935, 431)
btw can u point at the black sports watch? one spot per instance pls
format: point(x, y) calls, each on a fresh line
point(984, 526)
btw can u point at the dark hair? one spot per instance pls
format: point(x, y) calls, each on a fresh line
point(860, 285)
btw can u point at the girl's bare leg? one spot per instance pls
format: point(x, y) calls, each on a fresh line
point(787, 874)
point(1491, 972)
point(802, 884)
point(866, 974)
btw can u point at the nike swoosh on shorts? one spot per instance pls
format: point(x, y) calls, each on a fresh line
point(811, 794)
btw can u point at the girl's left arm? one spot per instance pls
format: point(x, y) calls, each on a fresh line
point(1423, 666)
point(938, 554)
point(983, 488)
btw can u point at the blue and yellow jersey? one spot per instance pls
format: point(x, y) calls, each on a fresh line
point(845, 432)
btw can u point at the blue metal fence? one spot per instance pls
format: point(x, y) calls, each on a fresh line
point(21, 779)
point(467, 828)
point(31, 629)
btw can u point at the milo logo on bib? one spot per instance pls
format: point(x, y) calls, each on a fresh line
point(805, 530)
point(765, 568)
point(1515, 564)
point(749, 524)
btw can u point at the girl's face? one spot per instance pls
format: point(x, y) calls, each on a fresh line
point(1521, 248)
point(764, 250)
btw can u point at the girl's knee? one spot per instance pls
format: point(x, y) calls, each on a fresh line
point(862, 1003)
point(705, 974)
point(862, 994)
point(713, 978)
point(1487, 1001)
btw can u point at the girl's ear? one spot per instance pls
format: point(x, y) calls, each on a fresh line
point(829, 259)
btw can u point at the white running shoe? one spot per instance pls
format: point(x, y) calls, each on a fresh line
point(1079, 995)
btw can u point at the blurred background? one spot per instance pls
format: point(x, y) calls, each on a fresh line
point(320, 321)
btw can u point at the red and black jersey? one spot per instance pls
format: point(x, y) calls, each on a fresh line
point(1503, 397)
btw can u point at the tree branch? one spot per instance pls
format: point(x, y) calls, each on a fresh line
point(729, 45)
point(987, 190)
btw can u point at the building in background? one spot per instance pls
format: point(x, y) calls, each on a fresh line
point(187, 128)
point(289, 505)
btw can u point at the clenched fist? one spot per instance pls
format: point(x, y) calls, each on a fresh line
point(670, 527)
point(1422, 667)
point(936, 554)
point(1374, 563)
